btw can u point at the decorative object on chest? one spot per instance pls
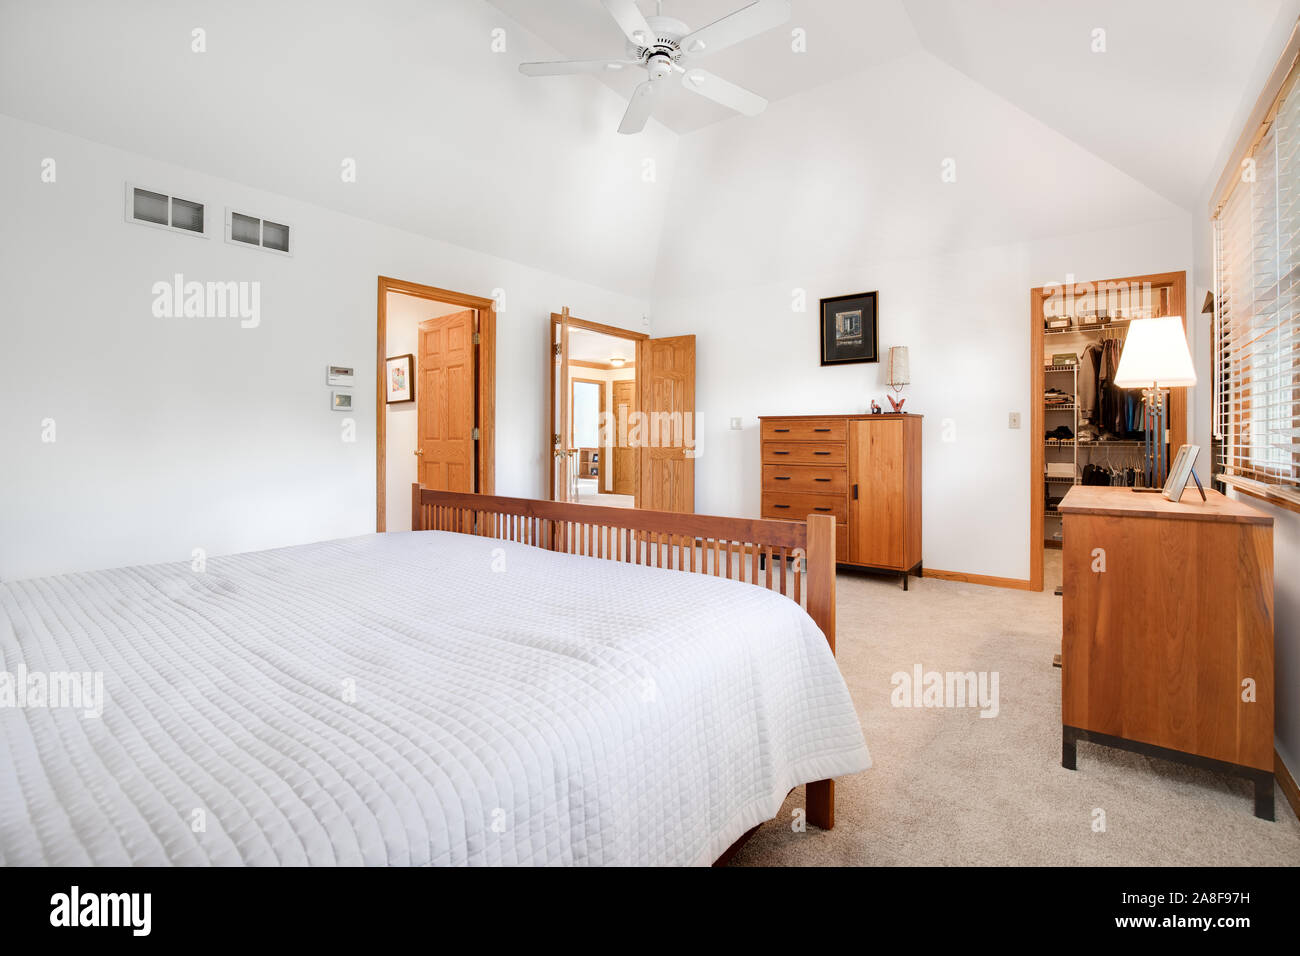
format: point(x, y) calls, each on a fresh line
point(863, 469)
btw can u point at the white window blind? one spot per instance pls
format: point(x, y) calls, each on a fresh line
point(1257, 330)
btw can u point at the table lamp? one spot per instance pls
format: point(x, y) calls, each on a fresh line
point(1155, 358)
point(899, 375)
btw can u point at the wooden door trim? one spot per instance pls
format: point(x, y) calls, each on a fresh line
point(576, 323)
point(601, 384)
point(1177, 281)
point(485, 382)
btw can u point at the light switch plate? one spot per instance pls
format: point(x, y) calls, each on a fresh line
point(1013, 420)
point(735, 424)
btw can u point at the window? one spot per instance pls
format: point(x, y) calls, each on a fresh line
point(1256, 326)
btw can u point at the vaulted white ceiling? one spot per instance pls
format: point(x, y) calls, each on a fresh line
point(452, 142)
point(1150, 86)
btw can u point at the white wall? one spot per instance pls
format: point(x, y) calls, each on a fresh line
point(175, 434)
point(965, 318)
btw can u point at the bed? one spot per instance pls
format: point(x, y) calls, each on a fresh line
point(482, 692)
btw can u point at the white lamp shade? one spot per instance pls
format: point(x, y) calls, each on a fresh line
point(899, 372)
point(1155, 353)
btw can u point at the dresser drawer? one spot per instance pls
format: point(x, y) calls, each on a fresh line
point(804, 431)
point(797, 507)
point(804, 453)
point(817, 479)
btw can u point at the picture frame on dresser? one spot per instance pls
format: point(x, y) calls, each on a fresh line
point(850, 329)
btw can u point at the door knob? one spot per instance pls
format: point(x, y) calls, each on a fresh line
point(419, 451)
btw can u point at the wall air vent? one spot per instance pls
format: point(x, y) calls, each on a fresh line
point(245, 230)
point(152, 208)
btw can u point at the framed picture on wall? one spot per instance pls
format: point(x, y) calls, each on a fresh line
point(849, 332)
point(399, 379)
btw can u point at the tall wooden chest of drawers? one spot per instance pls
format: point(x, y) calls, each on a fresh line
point(1167, 630)
point(863, 469)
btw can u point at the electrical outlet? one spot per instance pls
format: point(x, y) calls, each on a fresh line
point(1013, 420)
point(735, 424)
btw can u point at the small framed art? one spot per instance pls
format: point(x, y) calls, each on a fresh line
point(849, 331)
point(399, 379)
point(341, 401)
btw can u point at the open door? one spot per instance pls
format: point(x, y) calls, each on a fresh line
point(446, 402)
point(666, 446)
point(562, 472)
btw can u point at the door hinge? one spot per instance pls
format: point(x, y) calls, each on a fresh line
point(477, 340)
point(556, 347)
point(476, 433)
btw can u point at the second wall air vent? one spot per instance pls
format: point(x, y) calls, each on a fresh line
point(245, 230)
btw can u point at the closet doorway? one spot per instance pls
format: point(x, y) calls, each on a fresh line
point(1083, 429)
point(435, 419)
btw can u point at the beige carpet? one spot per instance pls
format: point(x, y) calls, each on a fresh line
point(951, 788)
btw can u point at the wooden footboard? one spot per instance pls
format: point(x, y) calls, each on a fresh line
point(793, 558)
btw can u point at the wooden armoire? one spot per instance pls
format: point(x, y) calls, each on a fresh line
point(863, 469)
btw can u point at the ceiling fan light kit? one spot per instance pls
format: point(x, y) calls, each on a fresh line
point(660, 44)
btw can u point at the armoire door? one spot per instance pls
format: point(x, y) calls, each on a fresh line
point(876, 493)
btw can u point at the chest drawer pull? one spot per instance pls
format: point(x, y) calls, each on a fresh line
point(821, 479)
point(781, 477)
point(780, 453)
point(782, 430)
point(821, 429)
point(780, 506)
point(821, 509)
point(818, 453)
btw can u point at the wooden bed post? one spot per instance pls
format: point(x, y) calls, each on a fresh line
point(415, 507)
point(820, 794)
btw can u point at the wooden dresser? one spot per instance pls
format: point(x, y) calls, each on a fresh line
point(863, 469)
point(1168, 630)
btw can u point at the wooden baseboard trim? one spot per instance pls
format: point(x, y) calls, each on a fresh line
point(1287, 783)
point(1018, 584)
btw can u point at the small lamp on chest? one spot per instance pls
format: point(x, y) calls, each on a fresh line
point(899, 374)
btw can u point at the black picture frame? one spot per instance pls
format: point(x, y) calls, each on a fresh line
point(850, 329)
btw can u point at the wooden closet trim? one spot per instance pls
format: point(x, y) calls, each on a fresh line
point(1177, 281)
point(486, 387)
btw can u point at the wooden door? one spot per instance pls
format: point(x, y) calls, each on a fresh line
point(876, 493)
point(665, 370)
point(445, 443)
point(623, 458)
point(562, 470)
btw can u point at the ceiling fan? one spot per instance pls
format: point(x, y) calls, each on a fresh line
point(664, 47)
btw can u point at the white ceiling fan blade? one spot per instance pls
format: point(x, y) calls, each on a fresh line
point(744, 23)
point(720, 91)
point(630, 20)
point(565, 67)
point(639, 107)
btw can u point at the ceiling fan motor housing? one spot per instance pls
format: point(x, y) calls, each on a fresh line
point(662, 49)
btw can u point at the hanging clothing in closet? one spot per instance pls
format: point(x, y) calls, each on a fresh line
point(1115, 411)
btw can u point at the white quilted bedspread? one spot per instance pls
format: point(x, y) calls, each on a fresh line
point(414, 698)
